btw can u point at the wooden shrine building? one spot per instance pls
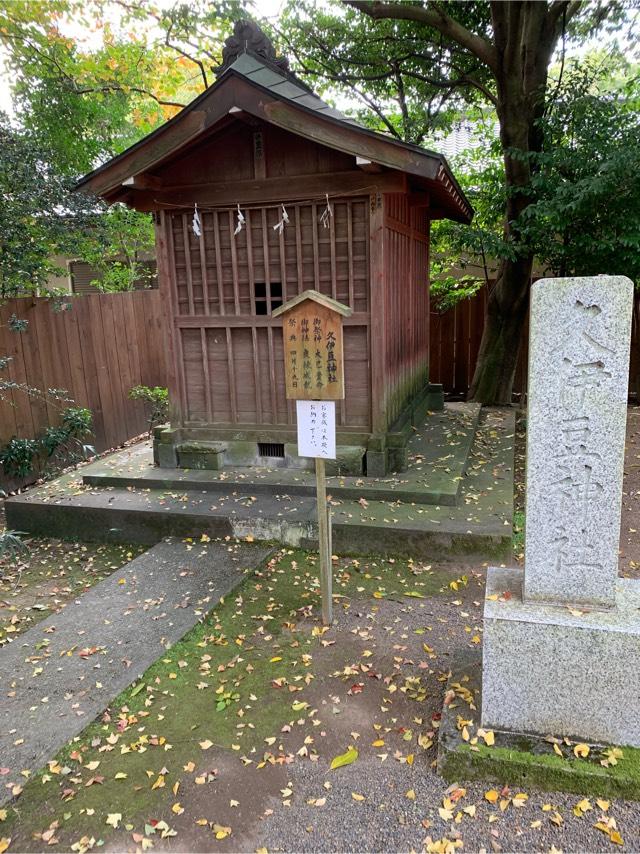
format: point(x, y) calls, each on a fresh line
point(291, 195)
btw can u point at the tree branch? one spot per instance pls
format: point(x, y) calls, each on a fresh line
point(115, 87)
point(433, 16)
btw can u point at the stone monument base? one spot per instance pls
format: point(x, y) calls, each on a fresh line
point(559, 670)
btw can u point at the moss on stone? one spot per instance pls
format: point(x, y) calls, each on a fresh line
point(546, 771)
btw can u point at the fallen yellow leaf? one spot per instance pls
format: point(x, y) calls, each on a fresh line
point(344, 758)
point(581, 751)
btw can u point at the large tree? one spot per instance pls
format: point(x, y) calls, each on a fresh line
point(88, 79)
point(586, 182)
point(447, 53)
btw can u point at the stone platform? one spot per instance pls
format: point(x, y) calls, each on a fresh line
point(455, 502)
point(438, 454)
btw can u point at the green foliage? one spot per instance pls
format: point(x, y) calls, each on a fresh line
point(31, 227)
point(17, 457)
point(77, 421)
point(57, 447)
point(586, 181)
point(407, 80)
point(113, 241)
point(11, 545)
point(157, 401)
point(584, 218)
point(17, 324)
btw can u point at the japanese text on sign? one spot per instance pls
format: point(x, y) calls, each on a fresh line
point(316, 428)
point(312, 337)
point(577, 470)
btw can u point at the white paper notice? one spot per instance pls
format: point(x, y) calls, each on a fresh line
point(317, 428)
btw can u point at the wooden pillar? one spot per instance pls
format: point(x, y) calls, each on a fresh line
point(168, 299)
point(377, 310)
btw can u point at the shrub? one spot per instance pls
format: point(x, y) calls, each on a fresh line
point(11, 545)
point(156, 400)
point(56, 448)
point(17, 457)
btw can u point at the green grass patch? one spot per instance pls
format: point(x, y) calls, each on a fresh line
point(233, 681)
point(533, 768)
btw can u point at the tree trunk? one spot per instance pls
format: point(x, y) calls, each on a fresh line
point(507, 307)
point(524, 36)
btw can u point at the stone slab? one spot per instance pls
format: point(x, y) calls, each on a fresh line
point(526, 761)
point(64, 508)
point(127, 621)
point(577, 407)
point(438, 455)
point(556, 670)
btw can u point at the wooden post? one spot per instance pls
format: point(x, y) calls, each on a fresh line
point(314, 378)
point(324, 543)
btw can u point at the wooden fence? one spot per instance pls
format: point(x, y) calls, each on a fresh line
point(97, 350)
point(455, 341)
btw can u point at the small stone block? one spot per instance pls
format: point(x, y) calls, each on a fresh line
point(398, 459)
point(201, 455)
point(561, 671)
point(210, 462)
point(377, 463)
point(165, 455)
point(293, 461)
point(435, 400)
point(240, 452)
point(349, 461)
point(164, 433)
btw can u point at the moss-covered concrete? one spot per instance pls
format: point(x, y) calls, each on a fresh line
point(522, 759)
point(49, 574)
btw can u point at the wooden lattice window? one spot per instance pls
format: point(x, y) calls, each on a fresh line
point(267, 296)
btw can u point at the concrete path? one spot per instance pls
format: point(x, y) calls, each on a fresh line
point(62, 673)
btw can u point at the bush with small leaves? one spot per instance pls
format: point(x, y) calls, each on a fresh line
point(157, 401)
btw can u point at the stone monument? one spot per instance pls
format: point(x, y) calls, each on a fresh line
point(562, 637)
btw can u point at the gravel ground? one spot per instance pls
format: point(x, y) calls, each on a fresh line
point(400, 809)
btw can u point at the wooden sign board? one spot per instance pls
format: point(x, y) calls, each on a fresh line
point(313, 350)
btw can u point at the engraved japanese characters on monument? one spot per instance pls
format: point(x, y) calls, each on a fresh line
point(578, 371)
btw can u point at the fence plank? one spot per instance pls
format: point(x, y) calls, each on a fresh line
point(455, 341)
point(97, 351)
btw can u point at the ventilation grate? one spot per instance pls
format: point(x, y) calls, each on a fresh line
point(271, 449)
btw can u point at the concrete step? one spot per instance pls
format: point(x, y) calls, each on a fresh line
point(478, 529)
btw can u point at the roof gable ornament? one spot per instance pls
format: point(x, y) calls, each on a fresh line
point(249, 38)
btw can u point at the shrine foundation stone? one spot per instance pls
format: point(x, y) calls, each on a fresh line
point(561, 639)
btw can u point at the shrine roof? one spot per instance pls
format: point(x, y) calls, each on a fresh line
point(254, 85)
